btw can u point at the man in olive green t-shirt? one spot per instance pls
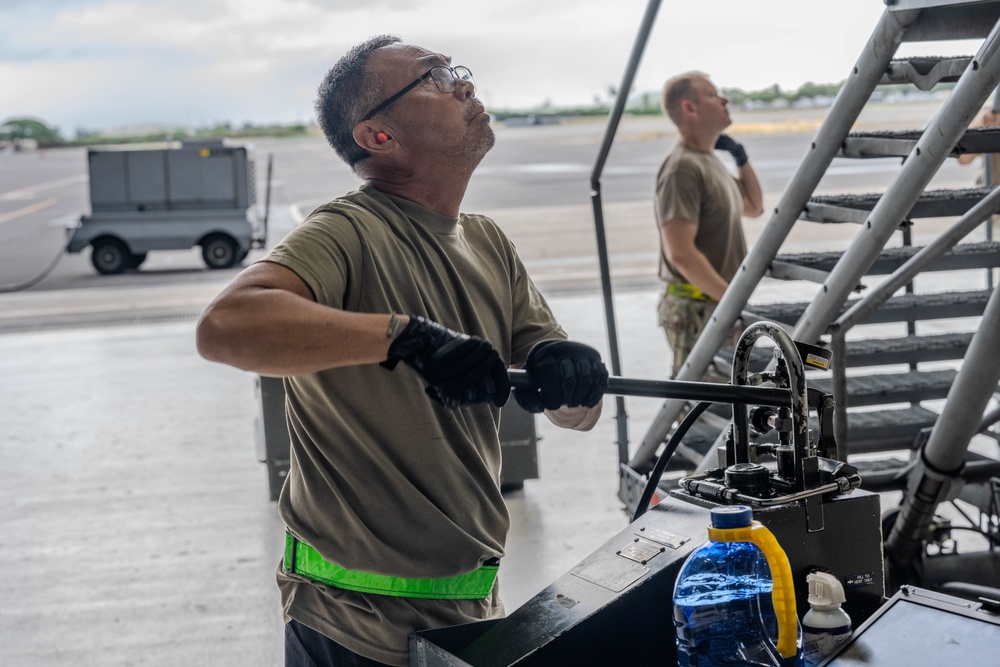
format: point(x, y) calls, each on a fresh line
point(392, 501)
point(699, 207)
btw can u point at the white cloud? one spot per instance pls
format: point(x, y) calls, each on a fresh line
point(106, 63)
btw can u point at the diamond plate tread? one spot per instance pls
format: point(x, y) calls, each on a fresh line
point(939, 20)
point(879, 351)
point(939, 305)
point(890, 474)
point(883, 388)
point(908, 349)
point(962, 256)
point(855, 207)
point(900, 143)
point(887, 430)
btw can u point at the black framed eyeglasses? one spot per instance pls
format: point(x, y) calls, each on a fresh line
point(445, 78)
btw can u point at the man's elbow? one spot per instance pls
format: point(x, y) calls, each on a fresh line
point(677, 259)
point(753, 210)
point(211, 337)
point(683, 262)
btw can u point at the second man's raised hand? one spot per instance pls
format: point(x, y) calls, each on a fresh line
point(459, 369)
point(565, 373)
point(735, 148)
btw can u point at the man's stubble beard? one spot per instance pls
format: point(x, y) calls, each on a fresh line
point(476, 150)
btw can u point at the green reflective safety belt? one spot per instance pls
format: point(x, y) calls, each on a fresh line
point(688, 291)
point(302, 559)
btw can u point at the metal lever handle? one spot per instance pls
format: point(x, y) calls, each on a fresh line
point(692, 391)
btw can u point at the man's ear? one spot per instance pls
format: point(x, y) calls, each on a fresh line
point(373, 138)
point(688, 106)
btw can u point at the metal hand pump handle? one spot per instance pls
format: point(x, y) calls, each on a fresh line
point(692, 391)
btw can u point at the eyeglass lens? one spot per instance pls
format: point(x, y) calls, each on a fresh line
point(445, 77)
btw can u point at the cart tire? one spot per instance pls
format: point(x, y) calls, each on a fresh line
point(220, 251)
point(135, 260)
point(109, 256)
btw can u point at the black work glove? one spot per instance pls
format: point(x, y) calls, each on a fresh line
point(735, 148)
point(459, 369)
point(564, 373)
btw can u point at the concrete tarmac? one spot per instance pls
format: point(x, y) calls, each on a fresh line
point(137, 525)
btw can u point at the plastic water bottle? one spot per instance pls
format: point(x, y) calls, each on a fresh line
point(734, 602)
point(826, 625)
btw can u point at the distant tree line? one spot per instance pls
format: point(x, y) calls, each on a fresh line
point(810, 90)
point(19, 131)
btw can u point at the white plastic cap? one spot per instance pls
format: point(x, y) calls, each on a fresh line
point(825, 590)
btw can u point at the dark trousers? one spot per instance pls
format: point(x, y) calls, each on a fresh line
point(304, 647)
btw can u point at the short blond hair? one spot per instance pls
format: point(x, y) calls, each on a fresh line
point(678, 89)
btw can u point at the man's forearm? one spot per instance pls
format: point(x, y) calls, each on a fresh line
point(275, 332)
point(700, 273)
point(753, 197)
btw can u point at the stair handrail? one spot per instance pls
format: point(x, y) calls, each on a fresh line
point(628, 77)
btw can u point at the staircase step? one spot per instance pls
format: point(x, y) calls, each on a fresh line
point(907, 349)
point(985, 255)
point(856, 207)
point(883, 388)
point(947, 19)
point(873, 351)
point(925, 72)
point(900, 143)
point(903, 308)
point(887, 430)
point(891, 474)
point(878, 351)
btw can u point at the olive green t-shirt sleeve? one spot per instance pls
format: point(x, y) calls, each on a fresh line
point(325, 252)
point(678, 194)
point(533, 318)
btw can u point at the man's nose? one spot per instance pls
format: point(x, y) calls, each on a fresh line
point(464, 89)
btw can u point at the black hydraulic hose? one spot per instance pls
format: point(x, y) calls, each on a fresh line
point(16, 287)
point(661, 463)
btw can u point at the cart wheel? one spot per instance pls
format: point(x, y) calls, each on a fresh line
point(219, 251)
point(109, 256)
point(135, 260)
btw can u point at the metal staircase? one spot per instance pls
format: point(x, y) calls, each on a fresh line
point(880, 217)
point(944, 349)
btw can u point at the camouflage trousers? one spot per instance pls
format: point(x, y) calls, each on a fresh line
point(683, 320)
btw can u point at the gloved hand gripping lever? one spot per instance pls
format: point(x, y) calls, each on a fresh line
point(459, 369)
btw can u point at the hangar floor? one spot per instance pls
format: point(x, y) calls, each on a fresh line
point(136, 522)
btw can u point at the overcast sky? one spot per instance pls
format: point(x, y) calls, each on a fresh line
point(105, 64)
